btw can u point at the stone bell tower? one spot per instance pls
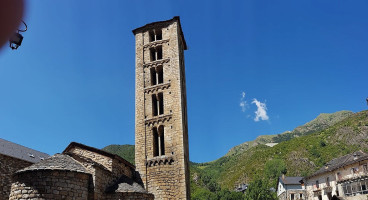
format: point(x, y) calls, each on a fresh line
point(161, 126)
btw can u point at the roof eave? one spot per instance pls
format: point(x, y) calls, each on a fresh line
point(176, 18)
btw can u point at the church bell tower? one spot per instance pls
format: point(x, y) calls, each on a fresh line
point(161, 126)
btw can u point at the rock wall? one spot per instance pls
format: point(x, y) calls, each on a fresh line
point(129, 196)
point(50, 184)
point(8, 166)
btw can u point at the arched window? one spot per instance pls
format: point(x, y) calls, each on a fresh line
point(155, 35)
point(155, 142)
point(161, 136)
point(161, 103)
point(160, 75)
point(153, 76)
point(157, 104)
point(154, 105)
point(157, 75)
point(156, 53)
point(158, 141)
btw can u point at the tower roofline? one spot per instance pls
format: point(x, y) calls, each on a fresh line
point(162, 23)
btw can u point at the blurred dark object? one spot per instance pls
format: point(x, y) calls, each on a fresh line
point(11, 13)
point(16, 40)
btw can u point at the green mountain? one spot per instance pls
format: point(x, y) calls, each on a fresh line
point(125, 151)
point(298, 153)
point(301, 155)
point(323, 121)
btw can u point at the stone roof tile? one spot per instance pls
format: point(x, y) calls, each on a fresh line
point(56, 162)
point(291, 180)
point(341, 162)
point(125, 184)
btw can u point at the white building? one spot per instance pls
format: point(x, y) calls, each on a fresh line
point(290, 188)
point(345, 177)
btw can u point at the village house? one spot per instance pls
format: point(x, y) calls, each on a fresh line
point(345, 177)
point(290, 188)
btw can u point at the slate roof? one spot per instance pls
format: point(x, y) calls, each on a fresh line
point(56, 162)
point(153, 24)
point(21, 152)
point(291, 180)
point(341, 162)
point(125, 184)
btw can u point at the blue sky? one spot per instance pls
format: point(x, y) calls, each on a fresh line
point(73, 77)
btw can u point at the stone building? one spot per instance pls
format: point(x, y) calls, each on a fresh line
point(14, 157)
point(290, 188)
point(161, 130)
point(345, 177)
point(80, 172)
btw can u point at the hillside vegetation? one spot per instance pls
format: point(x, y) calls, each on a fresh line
point(301, 155)
point(125, 151)
point(300, 152)
point(323, 121)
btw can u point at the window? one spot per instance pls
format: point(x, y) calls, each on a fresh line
point(292, 196)
point(157, 75)
point(328, 181)
point(156, 53)
point(160, 74)
point(364, 186)
point(154, 105)
point(301, 196)
point(155, 35)
point(317, 184)
point(365, 168)
point(339, 177)
point(329, 195)
point(155, 142)
point(158, 141)
point(162, 140)
point(157, 104)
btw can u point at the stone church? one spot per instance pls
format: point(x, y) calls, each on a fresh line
point(161, 136)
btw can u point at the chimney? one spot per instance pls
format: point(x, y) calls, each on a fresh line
point(283, 176)
point(355, 156)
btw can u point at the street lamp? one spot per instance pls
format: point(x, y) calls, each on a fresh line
point(16, 40)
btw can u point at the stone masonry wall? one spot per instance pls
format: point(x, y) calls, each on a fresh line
point(8, 166)
point(50, 184)
point(104, 175)
point(101, 159)
point(166, 180)
point(113, 165)
point(129, 196)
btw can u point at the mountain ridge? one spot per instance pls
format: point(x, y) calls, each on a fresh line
point(323, 120)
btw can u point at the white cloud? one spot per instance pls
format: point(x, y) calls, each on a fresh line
point(243, 104)
point(261, 112)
